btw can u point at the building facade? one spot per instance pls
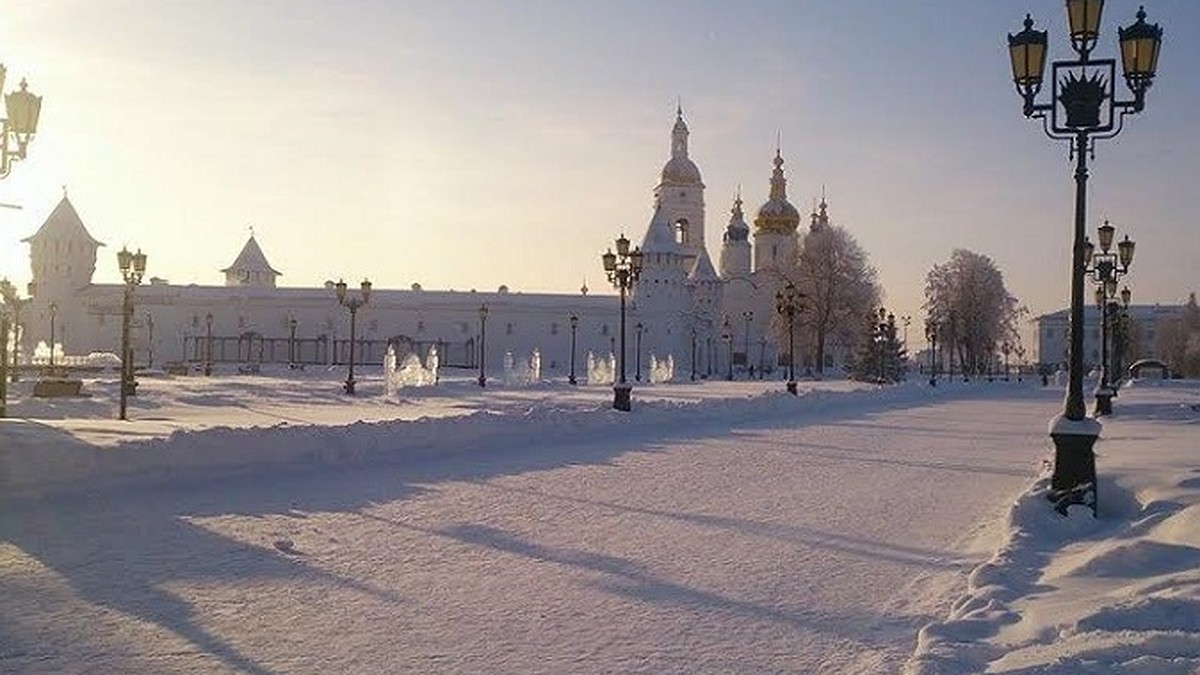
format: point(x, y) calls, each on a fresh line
point(682, 305)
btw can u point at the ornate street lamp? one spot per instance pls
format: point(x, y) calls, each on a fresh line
point(352, 303)
point(693, 374)
point(623, 269)
point(1020, 352)
point(637, 351)
point(789, 302)
point(8, 296)
point(727, 336)
point(1120, 337)
point(208, 344)
point(133, 267)
point(483, 315)
point(53, 316)
point(574, 320)
point(20, 125)
point(1082, 108)
point(1006, 349)
point(1105, 268)
point(6, 293)
point(931, 337)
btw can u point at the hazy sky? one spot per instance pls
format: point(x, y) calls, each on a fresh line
point(471, 144)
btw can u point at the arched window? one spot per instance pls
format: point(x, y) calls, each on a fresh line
point(681, 231)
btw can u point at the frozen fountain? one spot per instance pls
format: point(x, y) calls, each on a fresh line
point(601, 370)
point(524, 374)
point(410, 372)
point(661, 371)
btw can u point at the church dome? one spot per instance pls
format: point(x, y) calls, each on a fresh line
point(680, 171)
point(777, 214)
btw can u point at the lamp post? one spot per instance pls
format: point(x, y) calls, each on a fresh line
point(693, 374)
point(1082, 109)
point(1006, 349)
point(727, 336)
point(789, 302)
point(1120, 337)
point(637, 351)
point(20, 125)
point(352, 303)
point(149, 340)
point(8, 296)
point(483, 315)
point(574, 320)
point(1106, 267)
point(1020, 352)
point(208, 319)
point(623, 269)
point(133, 267)
point(747, 316)
point(6, 292)
point(53, 316)
point(931, 338)
point(291, 343)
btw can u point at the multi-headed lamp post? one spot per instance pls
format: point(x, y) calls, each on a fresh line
point(1105, 268)
point(1082, 108)
point(483, 315)
point(18, 128)
point(789, 302)
point(133, 268)
point(623, 269)
point(353, 303)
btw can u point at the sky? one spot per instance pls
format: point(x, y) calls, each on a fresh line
point(447, 143)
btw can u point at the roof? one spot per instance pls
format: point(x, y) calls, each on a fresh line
point(251, 258)
point(63, 223)
point(703, 269)
point(660, 236)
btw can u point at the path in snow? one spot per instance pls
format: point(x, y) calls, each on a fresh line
point(819, 544)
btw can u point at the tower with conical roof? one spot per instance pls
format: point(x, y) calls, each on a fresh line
point(735, 245)
point(251, 268)
point(775, 225)
point(62, 254)
point(680, 193)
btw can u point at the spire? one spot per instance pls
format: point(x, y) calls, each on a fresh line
point(778, 182)
point(679, 135)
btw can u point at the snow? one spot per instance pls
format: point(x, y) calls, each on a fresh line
point(271, 524)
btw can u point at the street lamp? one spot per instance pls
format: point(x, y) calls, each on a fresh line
point(1120, 337)
point(483, 314)
point(1106, 267)
point(53, 316)
point(789, 302)
point(637, 352)
point(931, 338)
point(291, 343)
point(747, 316)
point(623, 269)
point(208, 319)
point(133, 267)
point(21, 124)
point(1006, 349)
point(693, 327)
point(352, 303)
point(149, 340)
point(727, 336)
point(1020, 352)
point(1082, 108)
point(574, 325)
point(7, 294)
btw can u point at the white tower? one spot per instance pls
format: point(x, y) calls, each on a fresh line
point(680, 193)
point(251, 268)
point(735, 248)
point(775, 225)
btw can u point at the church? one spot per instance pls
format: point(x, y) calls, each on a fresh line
point(710, 321)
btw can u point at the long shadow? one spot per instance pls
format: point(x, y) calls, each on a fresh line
point(794, 534)
point(119, 547)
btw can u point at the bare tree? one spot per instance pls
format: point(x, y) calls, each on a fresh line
point(965, 298)
point(839, 287)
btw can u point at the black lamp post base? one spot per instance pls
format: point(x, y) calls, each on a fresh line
point(791, 388)
point(571, 380)
point(622, 399)
point(349, 387)
point(482, 381)
point(1104, 399)
point(1074, 478)
point(131, 387)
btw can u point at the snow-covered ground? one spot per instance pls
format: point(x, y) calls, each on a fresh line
point(271, 524)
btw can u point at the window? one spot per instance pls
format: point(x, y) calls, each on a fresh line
point(420, 327)
point(241, 321)
point(508, 329)
point(373, 325)
point(554, 329)
point(604, 329)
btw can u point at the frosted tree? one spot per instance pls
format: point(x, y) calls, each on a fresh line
point(966, 300)
point(839, 286)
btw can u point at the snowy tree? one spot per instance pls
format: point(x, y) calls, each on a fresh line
point(881, 355)
point(973, 312)
point(839, 287)
point(1179, 340)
